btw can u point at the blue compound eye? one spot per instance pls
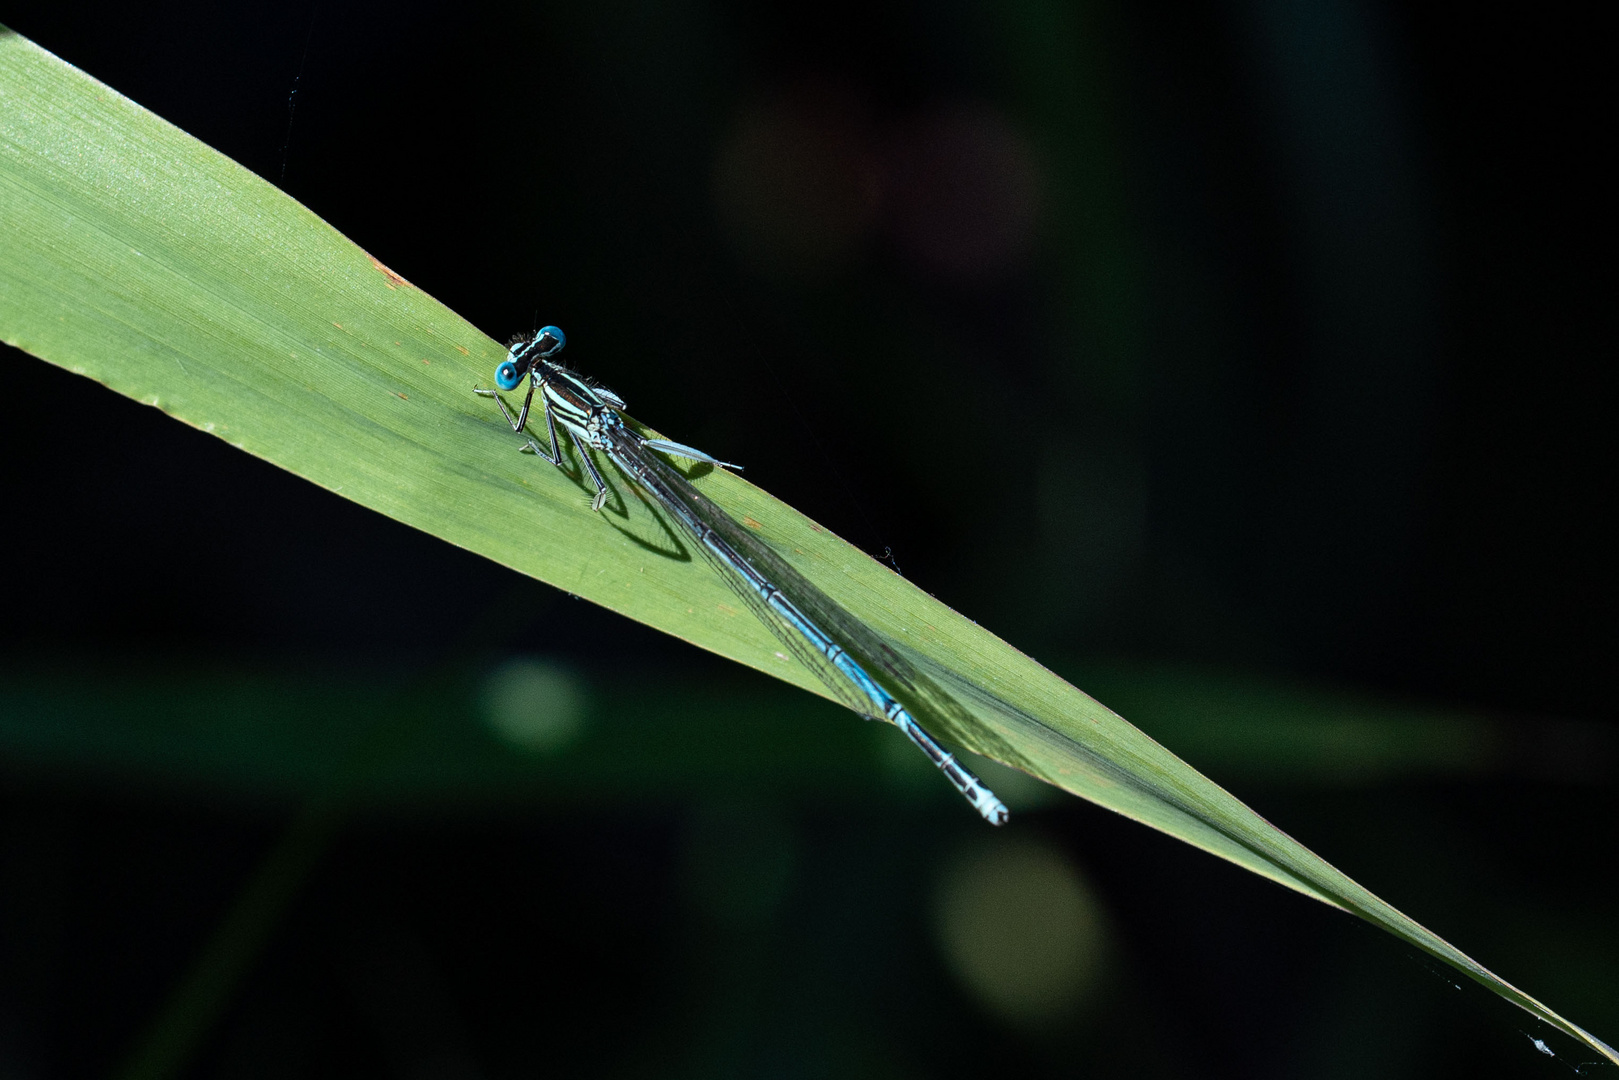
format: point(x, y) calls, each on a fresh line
point(555, 334)
point(507, 376)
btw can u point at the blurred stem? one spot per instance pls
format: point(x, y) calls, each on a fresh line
point(196, 1004)
point(202, 995)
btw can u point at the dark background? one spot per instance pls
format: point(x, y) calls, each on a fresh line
point(1256, 340)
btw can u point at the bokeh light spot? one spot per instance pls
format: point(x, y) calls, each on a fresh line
point(1022, 930)
point(535, 705)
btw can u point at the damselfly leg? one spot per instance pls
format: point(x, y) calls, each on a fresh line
point(522, 415)
point(601, 487)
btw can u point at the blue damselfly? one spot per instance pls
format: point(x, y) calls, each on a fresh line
point(841, 650)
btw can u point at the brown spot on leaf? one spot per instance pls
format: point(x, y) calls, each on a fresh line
point(462, 351)
point(751, 523)
point(391, 279)
point(398, 395)
point(728, 609)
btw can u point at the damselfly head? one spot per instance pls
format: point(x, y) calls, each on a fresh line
point(509, 374)
point(551, 339)
point(523, 350)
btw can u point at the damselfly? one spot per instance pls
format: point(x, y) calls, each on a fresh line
point(823, 635)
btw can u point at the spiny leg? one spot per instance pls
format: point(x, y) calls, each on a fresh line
point(522, 417)
point(590, 466)
point(555, 456)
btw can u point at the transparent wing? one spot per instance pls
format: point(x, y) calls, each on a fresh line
point(921, 694)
